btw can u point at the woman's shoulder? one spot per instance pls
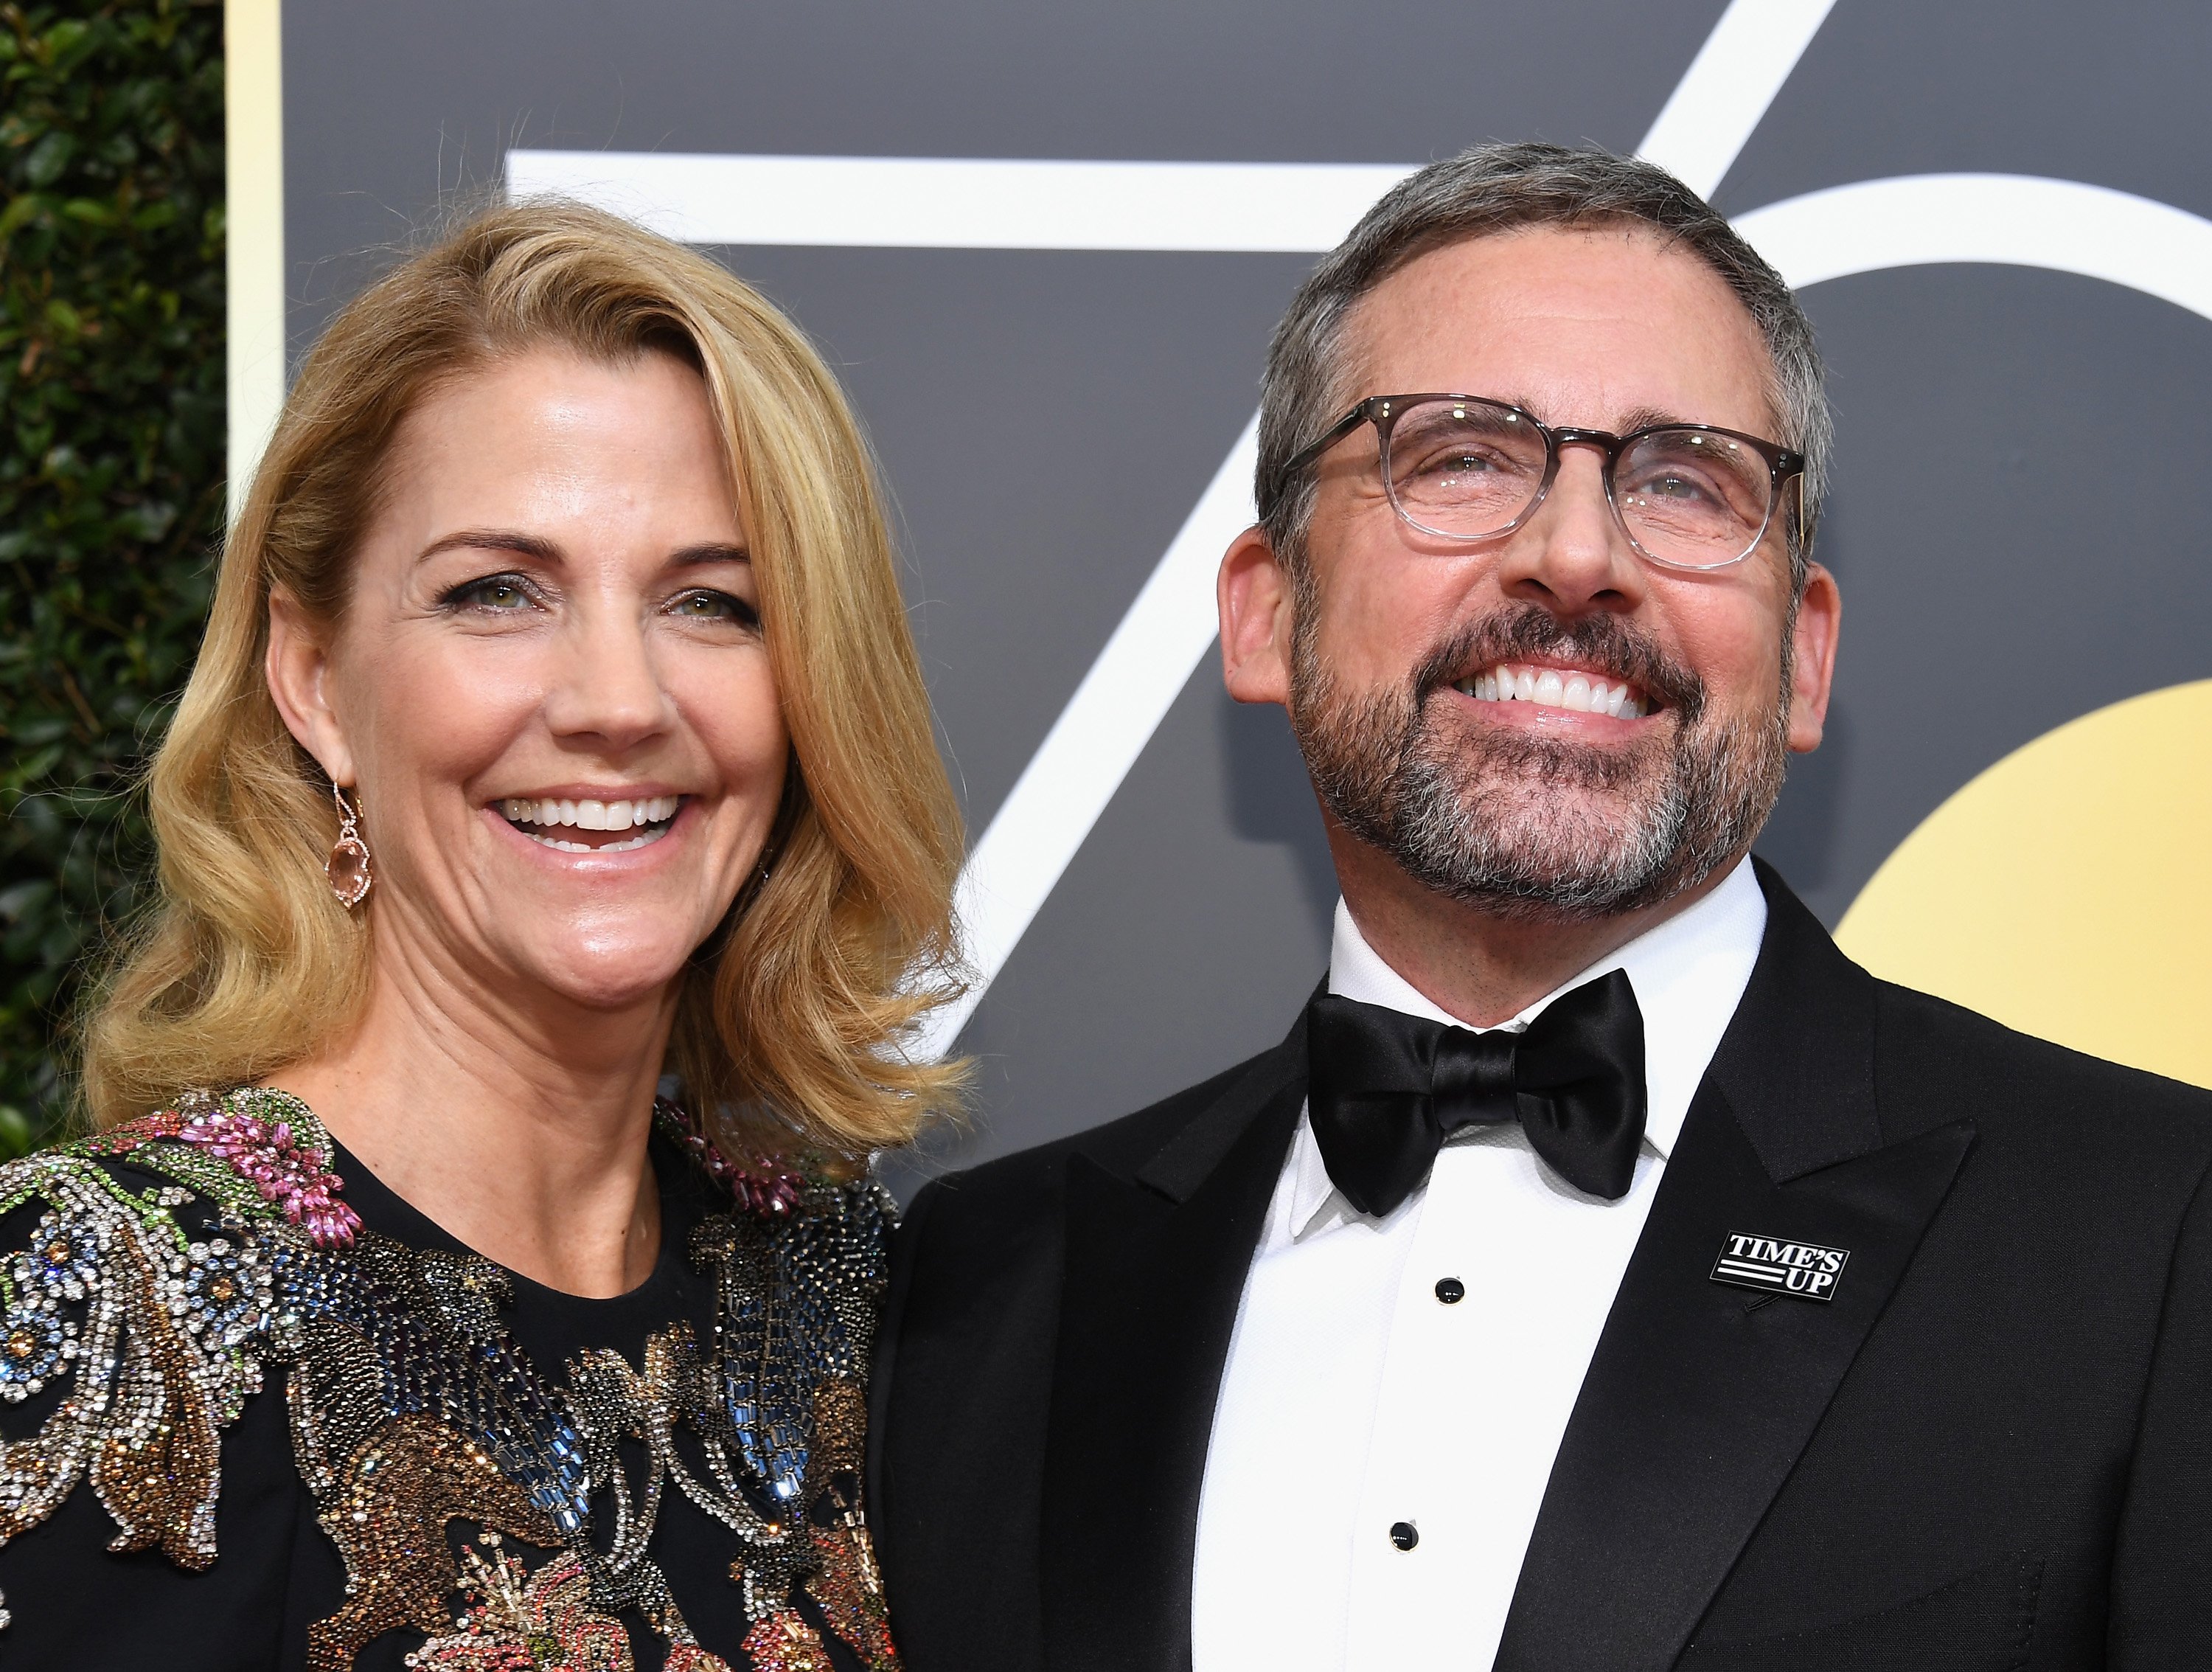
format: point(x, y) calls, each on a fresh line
point(799, 1203)
point(801, 1258)
point(141, 1272)
point(256, 1160)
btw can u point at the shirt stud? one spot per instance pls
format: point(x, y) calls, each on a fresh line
point(1405, 1535)
point(1450, 1291)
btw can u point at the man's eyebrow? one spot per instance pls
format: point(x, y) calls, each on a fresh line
point(494, 540)
point(1636, 418)
point(1650, 417)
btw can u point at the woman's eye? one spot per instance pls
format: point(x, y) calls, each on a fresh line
point(708, 605)
point(501, 594)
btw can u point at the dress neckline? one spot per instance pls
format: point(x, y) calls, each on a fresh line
point(384, 1211)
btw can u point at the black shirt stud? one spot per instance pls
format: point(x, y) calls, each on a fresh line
point(1450, 1291)
point(1405, 1535)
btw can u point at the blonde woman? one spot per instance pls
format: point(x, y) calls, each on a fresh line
point(557, 731)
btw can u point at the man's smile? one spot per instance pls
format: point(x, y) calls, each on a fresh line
point(1576, 690)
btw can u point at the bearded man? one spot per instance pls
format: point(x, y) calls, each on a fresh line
point(1605, 1272)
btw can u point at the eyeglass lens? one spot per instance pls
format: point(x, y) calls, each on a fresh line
point(1469, 469)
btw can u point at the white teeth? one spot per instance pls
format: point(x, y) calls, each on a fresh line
point(1576, 692)
point(644, 839)
point(589, 814)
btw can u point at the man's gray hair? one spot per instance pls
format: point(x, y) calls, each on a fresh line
point(1503, 188)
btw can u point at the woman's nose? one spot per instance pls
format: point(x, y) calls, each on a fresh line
point(608, 685)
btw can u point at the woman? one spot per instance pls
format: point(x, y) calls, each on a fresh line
point(557, 729)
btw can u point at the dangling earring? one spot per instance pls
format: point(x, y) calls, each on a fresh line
point(349, 870)
point(756, 884)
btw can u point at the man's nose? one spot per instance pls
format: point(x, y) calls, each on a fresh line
point(609, 687)
point(1572, 556)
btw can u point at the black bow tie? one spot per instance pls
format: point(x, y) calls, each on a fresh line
point(1386, 1088)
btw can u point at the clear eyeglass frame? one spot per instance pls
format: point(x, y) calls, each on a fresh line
point(1385, 412)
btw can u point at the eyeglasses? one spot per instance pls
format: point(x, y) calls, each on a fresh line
point(1689, 497)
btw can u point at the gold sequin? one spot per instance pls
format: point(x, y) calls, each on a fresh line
point(388, 1520)
point(850, 1593)
point(784, 1641)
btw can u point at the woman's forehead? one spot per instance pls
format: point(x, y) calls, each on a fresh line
point(548, 439)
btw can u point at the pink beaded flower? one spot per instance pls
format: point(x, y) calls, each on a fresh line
point(292, 1175)
point(266, 1154)
point(771, 1192)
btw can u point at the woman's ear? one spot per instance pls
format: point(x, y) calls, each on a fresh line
point(298, 668)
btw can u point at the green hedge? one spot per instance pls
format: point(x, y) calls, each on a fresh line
point(111, 476)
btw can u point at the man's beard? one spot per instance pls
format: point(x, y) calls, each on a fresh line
point(1530, 826)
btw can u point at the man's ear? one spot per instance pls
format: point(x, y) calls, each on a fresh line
point(1813, 669)
point(298, 668)
point(1254, 596)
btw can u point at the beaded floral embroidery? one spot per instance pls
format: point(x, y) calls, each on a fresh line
point(412, 1407)
point(754, 1189)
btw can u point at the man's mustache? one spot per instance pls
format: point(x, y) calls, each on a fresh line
point(1604, 644)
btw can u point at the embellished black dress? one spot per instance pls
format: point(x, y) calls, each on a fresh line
point(251, 1417)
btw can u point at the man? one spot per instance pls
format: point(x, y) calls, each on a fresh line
point(1604, 1273)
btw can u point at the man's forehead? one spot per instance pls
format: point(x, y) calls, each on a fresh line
point(1581, 326)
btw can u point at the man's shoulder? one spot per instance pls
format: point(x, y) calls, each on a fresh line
point(1011, 1185)
point(1935, 1061)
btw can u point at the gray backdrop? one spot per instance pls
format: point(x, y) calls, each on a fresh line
point(2020, 506)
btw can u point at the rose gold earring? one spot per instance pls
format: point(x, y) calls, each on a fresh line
point(350, 872)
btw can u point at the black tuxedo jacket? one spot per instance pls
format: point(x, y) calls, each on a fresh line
point(1992, 1448)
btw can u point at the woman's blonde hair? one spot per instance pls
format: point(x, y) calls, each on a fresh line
point(789, 1026)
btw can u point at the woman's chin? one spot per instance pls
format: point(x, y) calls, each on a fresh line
point(604, 980)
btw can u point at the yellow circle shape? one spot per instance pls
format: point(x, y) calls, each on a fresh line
point(2066, 891)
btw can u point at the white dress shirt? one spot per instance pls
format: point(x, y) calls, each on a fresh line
point(1355, 1399)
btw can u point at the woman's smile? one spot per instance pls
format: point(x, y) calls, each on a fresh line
point(594, 822)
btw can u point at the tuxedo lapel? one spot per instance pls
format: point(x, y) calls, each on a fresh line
point(1700, 1398)
point(1156, 1262)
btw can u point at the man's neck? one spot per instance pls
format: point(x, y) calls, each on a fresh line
point(1475, 963)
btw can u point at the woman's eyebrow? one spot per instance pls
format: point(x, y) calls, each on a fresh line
point(495, 539)
point(543, 551)
point(713, 551)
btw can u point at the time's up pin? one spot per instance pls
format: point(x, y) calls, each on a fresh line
point(1804, 1271)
